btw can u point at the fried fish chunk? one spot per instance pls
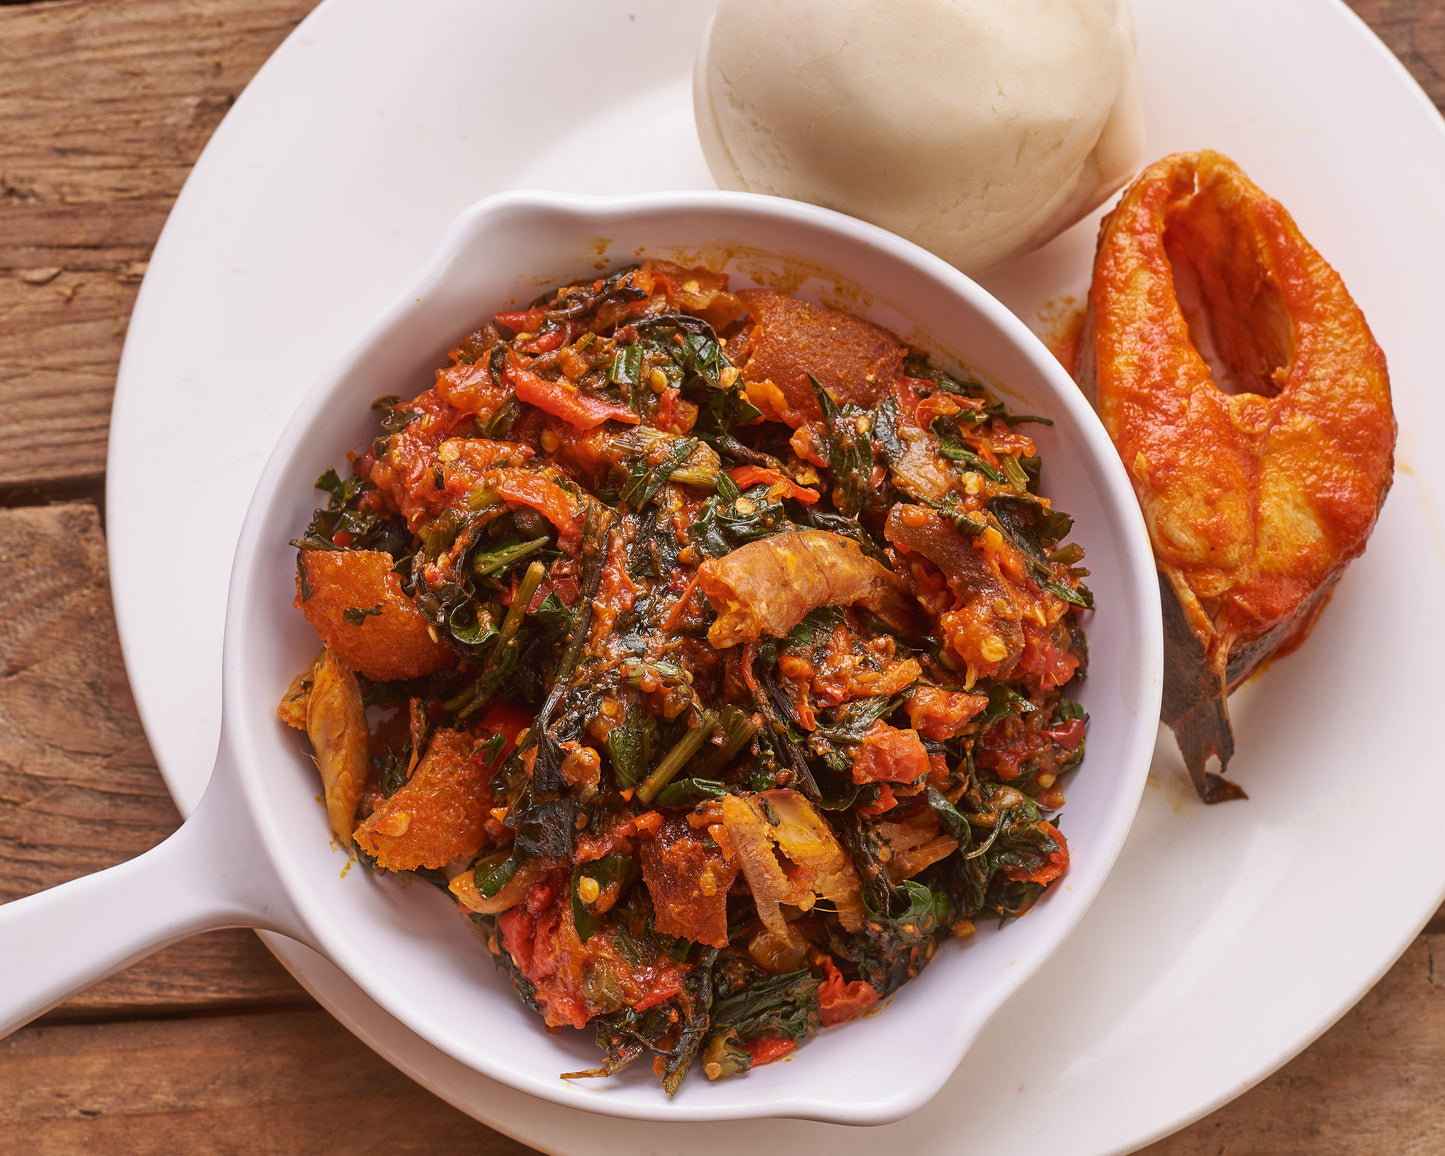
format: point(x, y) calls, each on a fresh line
point(437, 815)
point(793, 343)
point(354, 601)
point(335, 721)
point(819, 868)
point(1250, 405)
point(769, 586)
point(688, 877)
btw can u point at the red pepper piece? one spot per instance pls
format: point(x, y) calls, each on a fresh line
point(767, 1050)
point(746, 476)
point(522, 320)
point(842, 1001)
point(564, 400)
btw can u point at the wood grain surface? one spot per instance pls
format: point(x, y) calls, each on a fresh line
point(210, 1046)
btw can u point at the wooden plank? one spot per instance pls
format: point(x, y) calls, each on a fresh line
point(274, 1083)
point(79, 790)
point(81, 200)
point(84, 190)
point(79, 786)
point(298, 1082)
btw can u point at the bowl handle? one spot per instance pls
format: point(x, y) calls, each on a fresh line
point(213, 872)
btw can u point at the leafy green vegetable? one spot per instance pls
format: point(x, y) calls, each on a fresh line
point(950, 817)
point(625, 372)
point(356, 615)
point(783, 1006)
point(689, 792)
point(546, 766)
point(854, 718)
point(672, 1030)
point(344, 492)
point(629, 747)
point(494, 561)
point(603, 873)
point(546, 828)
point(1027, 524)
point(394, 417)
point(343, 519)
point(730, 518)
point(645, 480)
point(893, 947)
point(1014, 473)
point(1067, 709)
point(918, 367)
point(554, 619)
point(738, 727)
point(885, 431)
point(850, 451)
point(960, 453)
point(499, 426)
point(493, 872)
point(391, 768)
point(677, 757)
point(1003, 701)
point(472, 625)
point(846, 528)
point(962, 519)
point(689, 346)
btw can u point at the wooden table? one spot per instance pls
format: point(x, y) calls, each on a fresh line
point(210, 1046)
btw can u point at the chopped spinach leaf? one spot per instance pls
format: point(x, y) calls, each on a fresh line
point(356, 615)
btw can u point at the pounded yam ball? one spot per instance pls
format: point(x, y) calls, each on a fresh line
point(979, 129)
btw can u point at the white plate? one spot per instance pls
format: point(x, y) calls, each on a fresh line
point(1227, 938)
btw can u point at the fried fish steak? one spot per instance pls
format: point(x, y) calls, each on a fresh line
point(1250, 405)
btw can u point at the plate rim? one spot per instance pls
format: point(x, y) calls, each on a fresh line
point(328, 9)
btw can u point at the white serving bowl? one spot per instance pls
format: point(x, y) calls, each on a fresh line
point(257, 851)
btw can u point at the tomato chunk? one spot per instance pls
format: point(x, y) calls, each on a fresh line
point(841, 1001)
point(889, 755)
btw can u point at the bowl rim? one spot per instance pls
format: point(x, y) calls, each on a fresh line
point(247, 584)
